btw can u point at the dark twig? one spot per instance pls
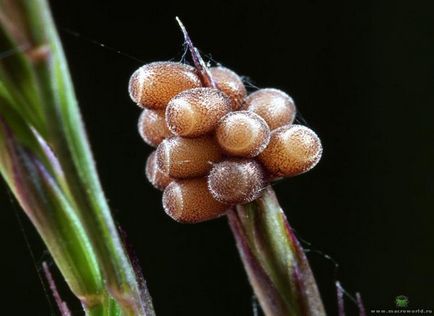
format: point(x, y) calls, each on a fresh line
point(63, 308)
point(361, 306)
point(199, 64)
point(340, 296)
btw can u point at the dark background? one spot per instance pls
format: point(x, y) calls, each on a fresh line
point(362, 75)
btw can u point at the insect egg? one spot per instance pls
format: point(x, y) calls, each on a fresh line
point(230, 83)
point(243, 134)
point(189, 201)
point(293, 149)
point(153, 85)
point(236, 181)
point(152, 127)
point(187, 157)
point(197, 111)
point(273, 105)
point(158, 179)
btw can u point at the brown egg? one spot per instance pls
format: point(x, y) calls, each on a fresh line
point(197, 111)
point(154, 85)
point(152, 127)
point(236, 181)
point(187, 157)
point(274, 106)
point(158, 179)
point(231, 84)
point(293, 149)
point(242, 134)
point(189, 201)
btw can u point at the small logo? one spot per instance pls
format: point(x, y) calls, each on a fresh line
point(401, 301)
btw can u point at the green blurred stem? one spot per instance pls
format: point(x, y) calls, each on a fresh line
point(274, 260)
point(70, 144)
point(53, 217)
point(108, 308)
point(42, 66)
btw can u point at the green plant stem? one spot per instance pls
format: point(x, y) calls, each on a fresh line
point(108, 308)
point(53, 217)
point(70, 144)
point(36, 83)
point(273, 259)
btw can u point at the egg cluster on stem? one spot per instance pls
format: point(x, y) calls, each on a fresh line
point(216, 146)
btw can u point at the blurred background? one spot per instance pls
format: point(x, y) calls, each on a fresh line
point(362, 76)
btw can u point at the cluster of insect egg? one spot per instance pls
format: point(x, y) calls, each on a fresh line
point(216, 147)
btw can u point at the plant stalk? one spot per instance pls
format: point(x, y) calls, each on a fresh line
point(37, 88)
point(275, 263)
